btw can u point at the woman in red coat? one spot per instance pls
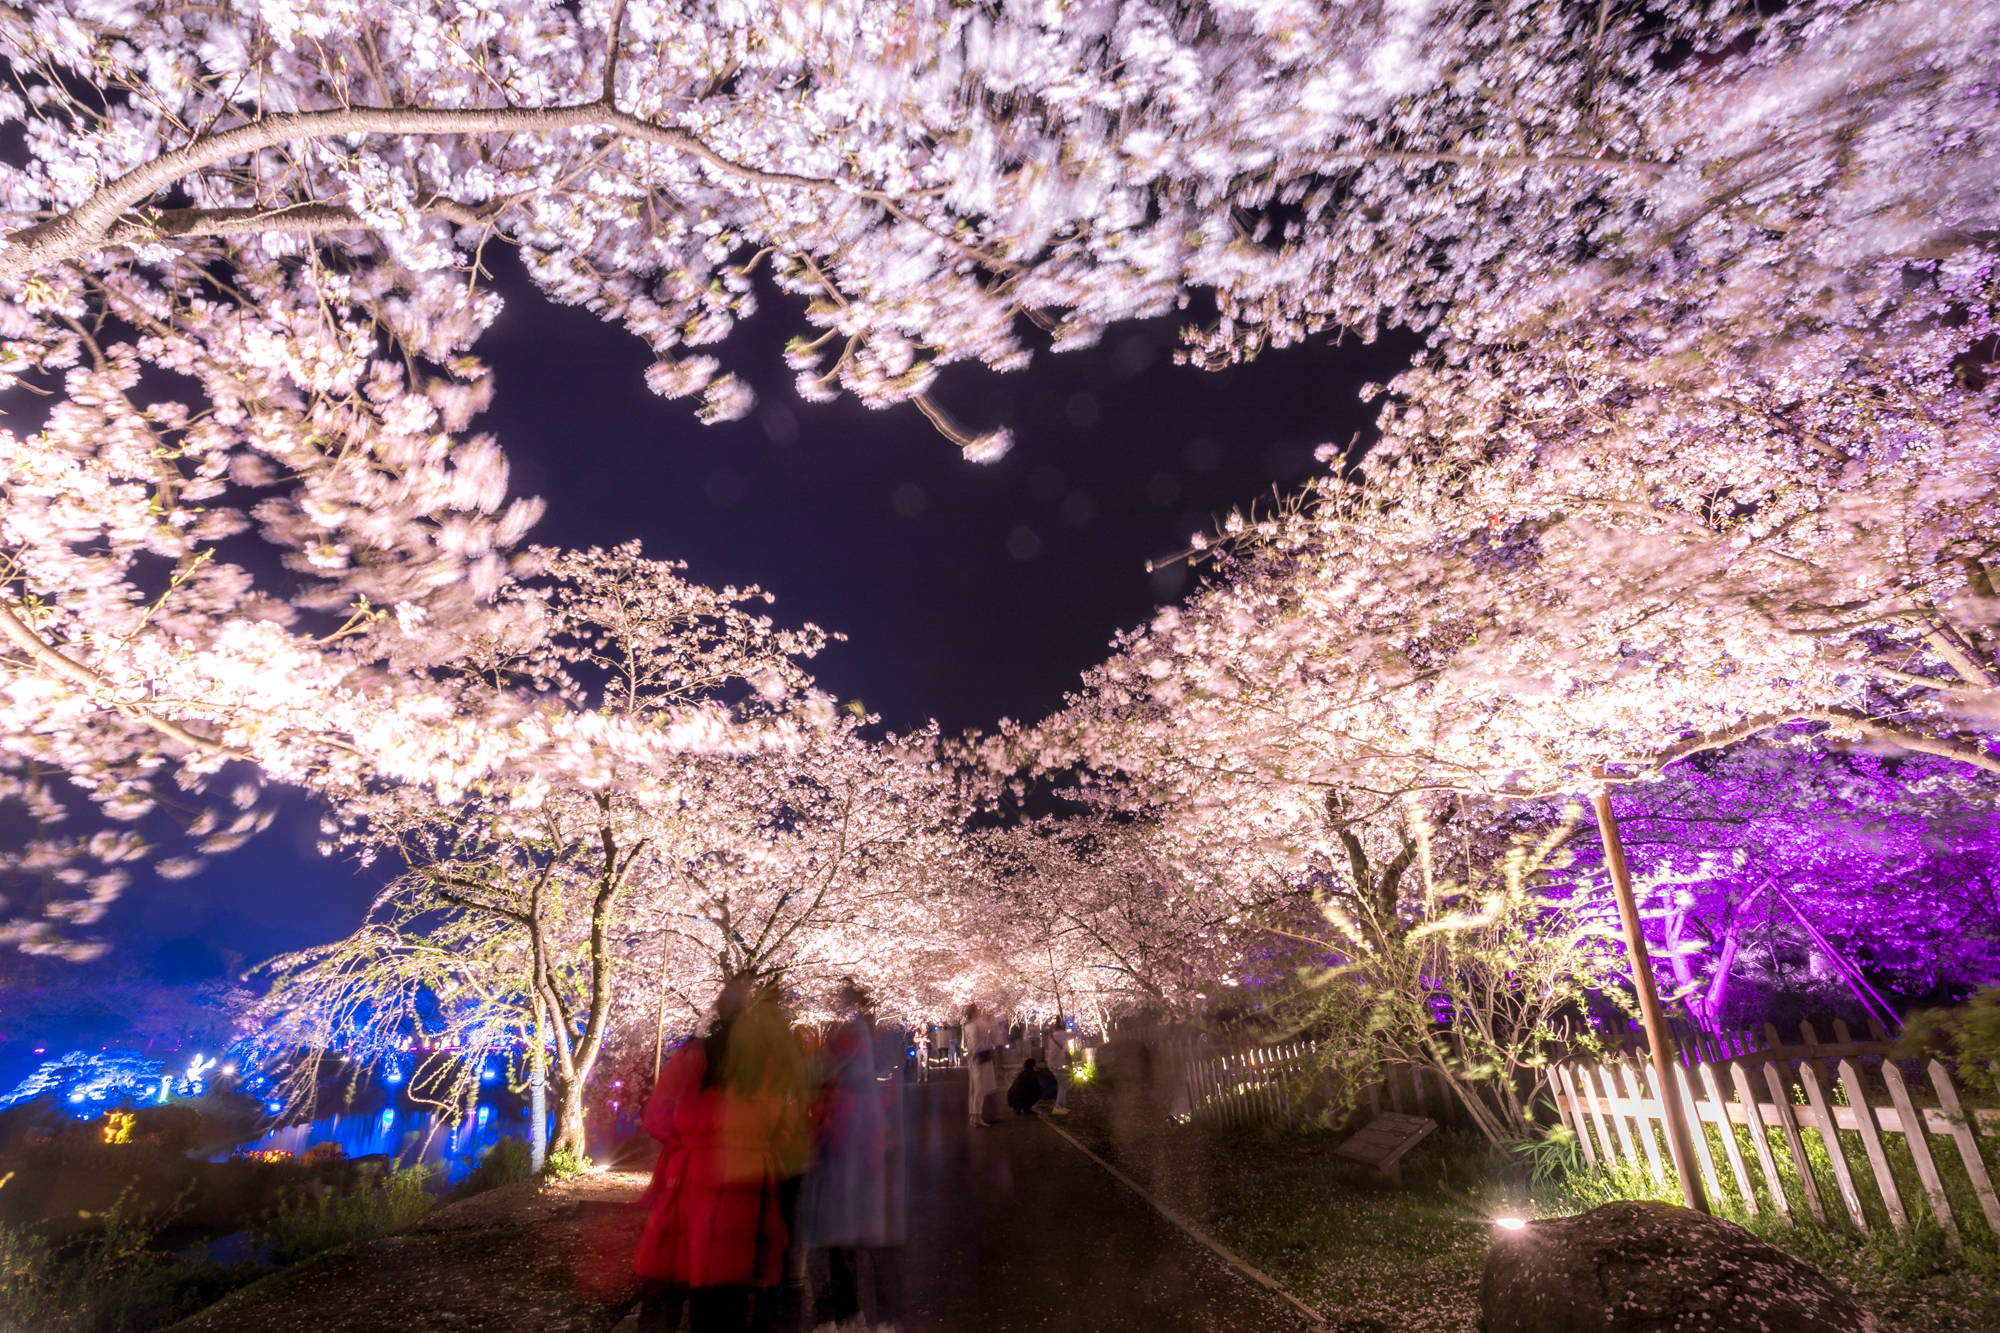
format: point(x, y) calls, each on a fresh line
point(729, 1118)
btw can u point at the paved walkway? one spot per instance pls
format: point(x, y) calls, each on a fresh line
point(1013, 1230)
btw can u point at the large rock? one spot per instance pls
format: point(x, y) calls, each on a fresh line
point(1634, 1267)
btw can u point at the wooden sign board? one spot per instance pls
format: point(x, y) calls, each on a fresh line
point(1385, 1141)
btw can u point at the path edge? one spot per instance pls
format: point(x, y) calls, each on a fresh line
point(1226, 1254)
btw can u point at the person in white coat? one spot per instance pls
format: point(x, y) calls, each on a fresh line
point(1055, 1059)
point(982, 1063)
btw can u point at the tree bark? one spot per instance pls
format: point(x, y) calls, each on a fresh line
point(538, 1094)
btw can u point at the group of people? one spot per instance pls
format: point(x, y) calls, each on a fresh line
point(768, 1154)
point(985, 1040)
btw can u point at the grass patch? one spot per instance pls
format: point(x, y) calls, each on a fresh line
point(1373, 1257)
point(1368, 1258)
point(306, 1224)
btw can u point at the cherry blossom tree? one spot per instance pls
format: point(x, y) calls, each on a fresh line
point(829, 859)
point(275, 217)
point(1707, 289)
point(1099, 916)
point(600, 912)
point(506, 919)
point(1793, 869)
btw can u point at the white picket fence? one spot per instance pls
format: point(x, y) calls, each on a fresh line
point(1258, 1084)
point(1845, 1088)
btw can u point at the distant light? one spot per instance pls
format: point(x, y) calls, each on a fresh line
point(484, 1112)
point(1509, 1223)
point(487, 1076)
point(617, 1082)
point(76, 1096)
point(274, 1107)
point(229, 1071)
point(41, 1050)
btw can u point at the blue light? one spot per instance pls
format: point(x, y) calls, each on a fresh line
point(389, 1116)
point(487, 1076)
point(485, 1112)
point(274, 1107)
point(79, 1078)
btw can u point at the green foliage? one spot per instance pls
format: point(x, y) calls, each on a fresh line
point(1968, 1035)
point(175, 1126)
point(565, 1164)
point(1457, 964)
point(306, 1224)
point(506, 1162)
point(113, 1281)
point(1553, 1155)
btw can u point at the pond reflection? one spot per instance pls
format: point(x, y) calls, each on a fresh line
point(423, 1137)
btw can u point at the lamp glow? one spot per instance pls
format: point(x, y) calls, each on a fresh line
point(1509, 1223)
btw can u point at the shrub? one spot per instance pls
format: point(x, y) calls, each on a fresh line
point(306, 1224)
point(114, 1281)
point(1552, 1157)
point(323, 1154)
point(505, 1162)
point(175, 1127)
point(565, 1164)
point(1968, 1035)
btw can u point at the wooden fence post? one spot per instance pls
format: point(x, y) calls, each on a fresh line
point(1759, 1140)
point(1968, 1146)
point(1700, 1137)
point(1829, 1132)
point(1642, 1123)
point(1610, 1086)
point(1871, 1142)
point(1918, 1137)
point(1729, 1146)
point(1788, 1121)
point(1581, 1113)
point(1555, 1091)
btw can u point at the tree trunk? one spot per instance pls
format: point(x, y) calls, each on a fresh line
point(569, 1119)
point(538, 1094)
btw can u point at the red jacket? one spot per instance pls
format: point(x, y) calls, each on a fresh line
point(712, 1209)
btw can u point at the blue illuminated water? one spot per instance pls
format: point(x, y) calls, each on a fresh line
point(412, 1137)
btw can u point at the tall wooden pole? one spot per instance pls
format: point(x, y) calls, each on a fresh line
point(1666, 1065)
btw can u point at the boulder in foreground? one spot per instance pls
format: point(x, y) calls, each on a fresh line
point(1644, 1267)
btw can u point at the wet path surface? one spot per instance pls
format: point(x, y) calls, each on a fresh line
point(1012, 1229)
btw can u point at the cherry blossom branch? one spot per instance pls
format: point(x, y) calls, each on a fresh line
point(1904, 738)
point(17, 632)
point(85, 227)
point(301, 219)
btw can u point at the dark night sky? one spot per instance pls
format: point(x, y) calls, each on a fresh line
point(968, 592)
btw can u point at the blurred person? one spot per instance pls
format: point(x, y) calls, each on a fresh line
point(771, 1034)
point(1026, 1089)
point(729, 1117)
point(982, 1063)
point(1055, 1059)
point(854, 1206)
